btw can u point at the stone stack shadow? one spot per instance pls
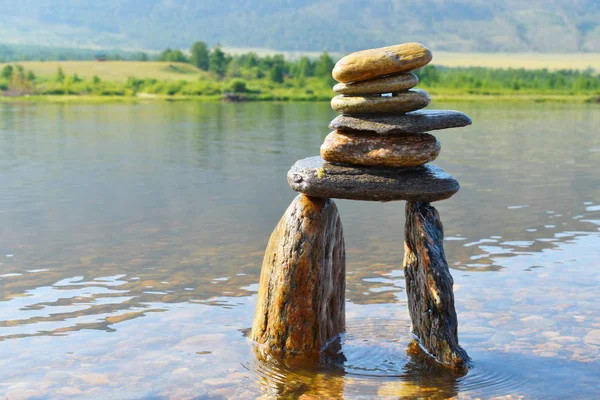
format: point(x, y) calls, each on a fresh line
point(379, 150)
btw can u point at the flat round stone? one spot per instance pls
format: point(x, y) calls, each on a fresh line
point(372, 63)
point(314, 176)
point(392, 151)
point(388, 84)
point(412, 122)
point(412, 100)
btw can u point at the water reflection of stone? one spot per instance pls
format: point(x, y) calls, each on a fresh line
point(422, 378)
point(327, 377)
point(304, 377)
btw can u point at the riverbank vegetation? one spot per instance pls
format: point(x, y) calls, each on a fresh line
point(212, 74)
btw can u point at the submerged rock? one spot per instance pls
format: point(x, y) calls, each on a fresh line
point(388, 84)
point(316, 177)
point(412, 122)
point(368, 64)
point(301, 296)
point(400, 103)
point(357, 149)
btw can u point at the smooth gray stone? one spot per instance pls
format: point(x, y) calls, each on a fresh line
point(316, 177)
point(387, 84)
point(409, 123)
point(398, 103)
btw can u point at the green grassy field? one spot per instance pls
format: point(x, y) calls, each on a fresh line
point(551, 61)
point(119, 71)
point(115, 71)
point(172, 81)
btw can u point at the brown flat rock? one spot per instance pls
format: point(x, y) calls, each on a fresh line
point(412, 100)
point(412, 122)
point(388, 84)
point(372, 63)
point(392, 151)
point(314, 176)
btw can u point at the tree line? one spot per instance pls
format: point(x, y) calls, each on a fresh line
point(250, 65)
point(479, 79)
point(275, 77)
point(476, 79)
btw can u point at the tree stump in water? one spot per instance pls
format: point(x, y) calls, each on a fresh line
point(429, 286)
point(301, 296)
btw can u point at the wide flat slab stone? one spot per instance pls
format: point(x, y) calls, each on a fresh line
point(388, 84)
point(369, 64)
point(411, 100)
point(382, 151)
point(316, 177)
point(409, 123)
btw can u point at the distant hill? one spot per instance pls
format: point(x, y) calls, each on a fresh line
point(307, 25)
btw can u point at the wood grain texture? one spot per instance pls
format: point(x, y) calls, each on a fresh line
point(301, 296)
point(429, 286)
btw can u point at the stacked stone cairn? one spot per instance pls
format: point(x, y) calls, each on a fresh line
point(379, 150)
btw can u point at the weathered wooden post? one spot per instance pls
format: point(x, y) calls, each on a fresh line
point(429, 286)
point(379, 151)
point(303, 281)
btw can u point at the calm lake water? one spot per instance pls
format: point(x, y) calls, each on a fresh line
point(131, 240)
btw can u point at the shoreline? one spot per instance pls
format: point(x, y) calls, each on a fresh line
point(530, 98)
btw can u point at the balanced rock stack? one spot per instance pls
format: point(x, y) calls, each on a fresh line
point(379, 150)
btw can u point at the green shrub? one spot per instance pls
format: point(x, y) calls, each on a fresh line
point(238, 86)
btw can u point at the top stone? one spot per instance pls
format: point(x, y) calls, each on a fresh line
point(369, 64)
